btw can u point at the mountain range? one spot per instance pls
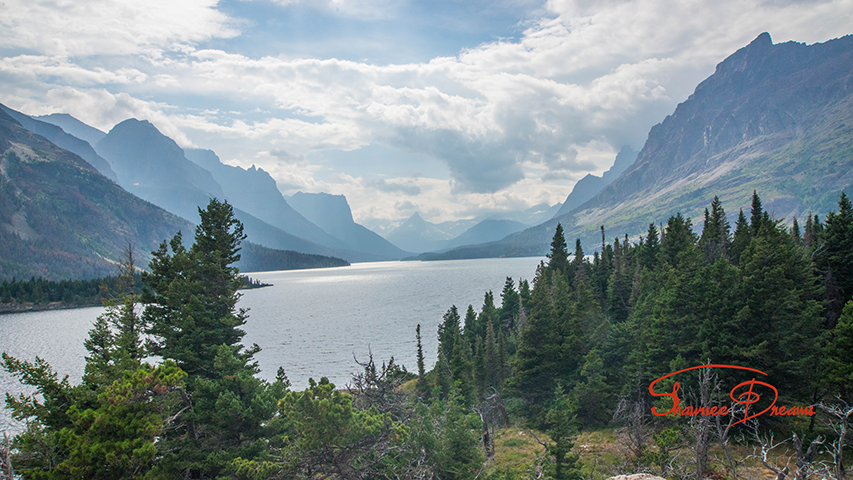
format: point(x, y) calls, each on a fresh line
point(60, 218)
point(418, 235)
point(153, 167)
point(773, 118)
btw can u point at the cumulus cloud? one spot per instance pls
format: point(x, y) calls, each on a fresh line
point(110, 27)
point(390, 187)
point(515, 121)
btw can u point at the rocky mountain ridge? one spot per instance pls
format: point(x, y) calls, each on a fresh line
point(775, 118)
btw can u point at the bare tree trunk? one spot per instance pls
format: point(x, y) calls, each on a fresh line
point(805, 460)
point(6, 470)
point(723, 438)
point(842, 413)
point(767, 445)
point(701, 424)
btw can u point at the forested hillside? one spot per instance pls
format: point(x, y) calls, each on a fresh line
point(580, 349)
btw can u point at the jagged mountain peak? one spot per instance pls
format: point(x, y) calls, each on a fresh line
point(775, 118)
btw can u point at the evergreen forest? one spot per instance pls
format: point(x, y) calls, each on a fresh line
point(573, 351)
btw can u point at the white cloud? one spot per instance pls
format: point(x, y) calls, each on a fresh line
point(110, 27)
point(517, 122)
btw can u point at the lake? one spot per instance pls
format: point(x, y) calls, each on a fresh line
point(313, 323)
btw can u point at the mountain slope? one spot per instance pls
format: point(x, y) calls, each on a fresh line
point(488, 230)
point(417, 235)
point(590, 185)
point(152, 166)
point(75, 127)
point(332, 213)
point(60, 138)
point(255, 191)
point(777, 119)
point(61, 219)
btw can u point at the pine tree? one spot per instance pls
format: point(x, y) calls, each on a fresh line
point(562, 419)
point(716, 237)
point(448, 333)
point(649, 253)
point(510, 306)
point(492, 367)
point(835, 259)
point(795, 232)
point(741, 238)
point(678, 241)
point(109, 426)
point(472, 329)
point(779, 320)
point(559, 254)
point(756, 219)
point(524, 295)
point(193, 319)
point(838, 356)
point(423, 387)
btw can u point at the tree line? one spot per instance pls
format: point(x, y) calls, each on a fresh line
point(201, 412)
point(577, 349)
point(35, 293)
point(585, 342)
point(17, 294)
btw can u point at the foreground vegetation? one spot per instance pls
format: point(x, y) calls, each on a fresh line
point(576, 351)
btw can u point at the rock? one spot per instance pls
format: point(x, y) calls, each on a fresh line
point(636, 476)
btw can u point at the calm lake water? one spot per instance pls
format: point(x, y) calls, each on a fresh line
point(310, 322)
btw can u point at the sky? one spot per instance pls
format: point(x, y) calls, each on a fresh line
point(449, 108)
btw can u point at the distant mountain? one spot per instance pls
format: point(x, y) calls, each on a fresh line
point(777, 119)
point(417, 235)
point(488, 230)
point(531, 216)
point(255, 191)
point(152, 166)
point(75, 127)
point(60, 138)
point(590, 185)
point(332, 213)
point(415, 232)
point(61, 219)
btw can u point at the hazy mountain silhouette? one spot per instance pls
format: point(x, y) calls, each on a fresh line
point(255, 191)
point(62, 219)
point(73, 126)
point(332, 213)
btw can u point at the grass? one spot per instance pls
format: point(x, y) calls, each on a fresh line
point(602, 454)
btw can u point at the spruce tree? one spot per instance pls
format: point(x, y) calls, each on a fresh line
point(193, 319)
point(423, 387)
point(835, 259)
point(559, 251)
point(779, 320)
point(756, 218)
point(448, 333)
point(741, 239)
point(838, 356)
point(649, 253)
point(561, 417)
point(510, 306)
